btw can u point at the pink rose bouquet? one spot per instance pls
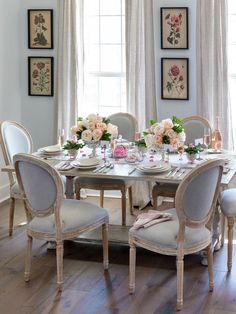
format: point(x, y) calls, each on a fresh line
point(94, 128)
point(168, 131)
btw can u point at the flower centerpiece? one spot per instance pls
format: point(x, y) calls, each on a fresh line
point(72, 146)
point(93, 129)
point(168, 131)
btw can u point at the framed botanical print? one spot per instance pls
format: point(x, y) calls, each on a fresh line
point(174, 28)
point(174, 78)
point(40, 29)
point(40, 76)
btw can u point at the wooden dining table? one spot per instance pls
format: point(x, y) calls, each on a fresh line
point(124, 170)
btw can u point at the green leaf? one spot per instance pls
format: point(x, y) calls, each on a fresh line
point(152, 121)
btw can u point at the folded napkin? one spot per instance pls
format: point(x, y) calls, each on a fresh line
point(150, 218)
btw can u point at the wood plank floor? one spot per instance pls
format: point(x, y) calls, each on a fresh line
point(88, 289)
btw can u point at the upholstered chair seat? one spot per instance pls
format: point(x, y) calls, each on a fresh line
point(228, 207)
point(164, 235)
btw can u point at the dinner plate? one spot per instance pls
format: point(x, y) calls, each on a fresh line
point(86, 163)
point(154, 168)
point(213, 151)
point(51, 149)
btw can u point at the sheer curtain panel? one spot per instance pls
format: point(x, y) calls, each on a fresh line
point(212, 66)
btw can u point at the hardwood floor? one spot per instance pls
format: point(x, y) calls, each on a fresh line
point(88, 289)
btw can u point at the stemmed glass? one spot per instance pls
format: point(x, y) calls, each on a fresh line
point(206, 140)
point(180, 150)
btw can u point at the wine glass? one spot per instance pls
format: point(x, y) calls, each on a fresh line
point(206, 140)
point(180, 150)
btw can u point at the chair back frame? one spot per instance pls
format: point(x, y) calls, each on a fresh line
point(4, 145)
point(125, 116)
point(200, 119)
point(56, 179)
point(182, 188)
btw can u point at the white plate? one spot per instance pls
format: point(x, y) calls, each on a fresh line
point(51, 149)
point(86, 162)
point(158, 169)
point(213, 151)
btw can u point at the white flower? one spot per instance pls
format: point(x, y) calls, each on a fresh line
point(158, 129)
point(92, 117)
point(167, 124)
point(74, 129)
point(86, 135)
point(112, 129)
point(182, 137)
point(149, 140)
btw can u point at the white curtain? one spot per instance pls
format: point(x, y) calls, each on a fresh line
point(140, 65)
point(67, 75)
point(212, 66)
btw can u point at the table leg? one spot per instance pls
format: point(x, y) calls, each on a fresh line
point(69, 187)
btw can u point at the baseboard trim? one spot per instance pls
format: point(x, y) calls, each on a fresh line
point(4, 202)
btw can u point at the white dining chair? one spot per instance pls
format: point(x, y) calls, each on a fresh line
point(194, 127)
point(14, 138)
point(127, 126)
point(53, 217)
point(190, 228)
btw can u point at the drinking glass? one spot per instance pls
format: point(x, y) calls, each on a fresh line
point(206, 140)
point(180, 150)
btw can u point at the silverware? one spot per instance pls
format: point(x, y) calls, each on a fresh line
point(99, 169)
point(175, 172)
point(131, 171)
point(181, 172)
point(169, 173)
point(111, 166)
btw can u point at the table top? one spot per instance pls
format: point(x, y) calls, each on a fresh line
point(122, 169)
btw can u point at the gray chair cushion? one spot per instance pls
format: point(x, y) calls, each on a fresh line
point(74, 214)
point(164, 234)
point(228, 202)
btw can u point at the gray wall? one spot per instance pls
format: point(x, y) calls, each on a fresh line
point(38, 114)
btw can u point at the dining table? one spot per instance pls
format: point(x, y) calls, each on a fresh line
point(172, 170)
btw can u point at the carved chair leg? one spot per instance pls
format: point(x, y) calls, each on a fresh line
point(130, 200)
point(105, 245)
point(210, 266)
point(28, 258)
point(230, 241)
point(27, 213)
point(222, 220)
point(132, 262)
point(123, 206)
point(180, 277)
point(11, 215)
point(59, 252)
point(101, 198)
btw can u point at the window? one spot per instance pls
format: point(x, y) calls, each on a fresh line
point(232, 57)
point(104, 89)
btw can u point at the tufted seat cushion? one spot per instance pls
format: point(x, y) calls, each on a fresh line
point(165, 234)
point(74, 214)
point(228, 202)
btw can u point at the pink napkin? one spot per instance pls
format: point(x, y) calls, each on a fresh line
point(150, 218)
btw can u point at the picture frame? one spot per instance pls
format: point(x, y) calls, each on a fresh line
point(174, 28)
point(175, 78)
point(40, 29)
point(40, 76)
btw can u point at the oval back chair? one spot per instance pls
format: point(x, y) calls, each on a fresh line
point(190, 228)
point(53, 217)
point(127, 124)
point(14, 138)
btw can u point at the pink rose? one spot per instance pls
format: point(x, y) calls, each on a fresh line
point(97, 134)
point(175, 70)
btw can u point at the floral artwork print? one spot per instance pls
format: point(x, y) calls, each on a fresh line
point(40, 76)
point(174, 28)
point(175, 23)
point(175, 78)
point(40, 29)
